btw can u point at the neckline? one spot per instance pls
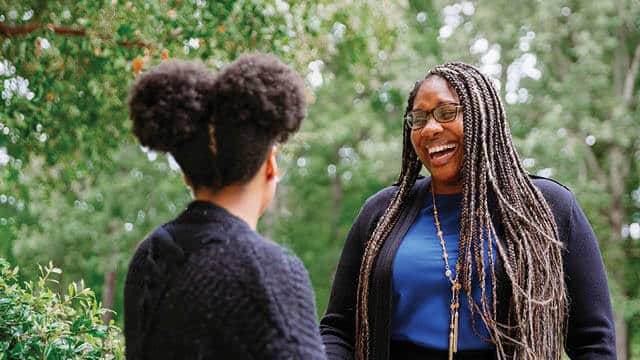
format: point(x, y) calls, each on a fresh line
point(449, 195)
point(445, 202)
point(207, 211)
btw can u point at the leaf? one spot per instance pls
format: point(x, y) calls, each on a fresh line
point(124, 30)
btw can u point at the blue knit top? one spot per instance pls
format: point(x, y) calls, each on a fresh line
point(422, 293)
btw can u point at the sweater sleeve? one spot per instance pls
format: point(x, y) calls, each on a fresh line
point(338, 324)
point(299, 310)
point(591, 331)
point(133, 306)
point(337, 327)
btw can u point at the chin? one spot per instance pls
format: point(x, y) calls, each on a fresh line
point(450, 178)
point(450, 172)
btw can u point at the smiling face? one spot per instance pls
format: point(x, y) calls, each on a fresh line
point(439, 145)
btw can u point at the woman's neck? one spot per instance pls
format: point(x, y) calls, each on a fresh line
point(445, 189)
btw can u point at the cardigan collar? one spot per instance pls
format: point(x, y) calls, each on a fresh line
point(201, 211)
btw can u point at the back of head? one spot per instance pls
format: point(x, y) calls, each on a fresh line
point(219, 129)
point(257, 101)
point(169, 104)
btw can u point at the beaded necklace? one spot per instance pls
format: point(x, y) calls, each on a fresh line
point(455, 284)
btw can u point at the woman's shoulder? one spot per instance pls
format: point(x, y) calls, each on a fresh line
point(381, 199)
point(552, 189)
point(248, 253)
point(559, 197)
point(208, 247)
point(548, 185)
point(159, 243)
point(279, 265)
point(270, 252)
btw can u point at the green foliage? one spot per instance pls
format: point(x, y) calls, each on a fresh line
point(83, 195)
point(39, 323)
point(96, 230)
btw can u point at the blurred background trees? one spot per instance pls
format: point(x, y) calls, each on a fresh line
point(75, 187)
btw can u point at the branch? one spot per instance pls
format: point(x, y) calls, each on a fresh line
point(14, 30)
point(65, 30)
point(631, 77)
point(139, 44)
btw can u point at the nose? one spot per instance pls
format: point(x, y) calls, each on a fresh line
point(431, 128)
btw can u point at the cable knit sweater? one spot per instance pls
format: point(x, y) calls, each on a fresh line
point(206, 286)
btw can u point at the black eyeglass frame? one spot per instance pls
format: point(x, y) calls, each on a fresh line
point(409, 118)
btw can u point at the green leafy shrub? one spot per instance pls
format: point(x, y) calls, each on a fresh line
point(37, 322)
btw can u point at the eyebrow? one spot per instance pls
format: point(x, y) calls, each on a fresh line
point(437, 106)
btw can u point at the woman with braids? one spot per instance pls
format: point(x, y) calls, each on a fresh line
point(205, 285)
point(479, 261)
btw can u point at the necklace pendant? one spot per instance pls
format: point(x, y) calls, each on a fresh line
point(451, 345)
point(455, 332)
point(455, 285)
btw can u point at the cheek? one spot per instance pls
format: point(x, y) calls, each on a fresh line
point(459, 129)
point(415, 137)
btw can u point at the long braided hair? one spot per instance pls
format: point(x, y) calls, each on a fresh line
point(528, 246)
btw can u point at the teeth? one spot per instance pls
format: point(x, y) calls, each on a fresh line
point(441, 148)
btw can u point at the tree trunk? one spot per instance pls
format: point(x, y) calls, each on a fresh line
point(108, 295)
point(621, 337)
point(336, 201)
point(336, 197)
point(618, 171)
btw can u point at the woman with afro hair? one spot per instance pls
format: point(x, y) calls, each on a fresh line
point(205, 285)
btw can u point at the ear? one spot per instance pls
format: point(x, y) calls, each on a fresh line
point(271, 165)
point(187, 180)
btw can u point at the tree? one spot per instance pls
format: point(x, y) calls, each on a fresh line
point(71, 166)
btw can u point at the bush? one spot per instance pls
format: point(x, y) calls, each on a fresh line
point(37, 322)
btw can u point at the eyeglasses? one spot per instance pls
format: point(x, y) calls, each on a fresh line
point(417, 119)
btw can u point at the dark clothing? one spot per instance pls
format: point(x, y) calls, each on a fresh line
point(206, 286)
point(590, 326)
point(404, 350)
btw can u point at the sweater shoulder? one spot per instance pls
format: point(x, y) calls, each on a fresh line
point(548, 185)
point(273, 286)
point(560, 199)
point(159, 240)
point(555, 193)
point(238, 249)
point(247, 259)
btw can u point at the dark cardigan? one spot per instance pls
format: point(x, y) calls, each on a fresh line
point(206, 286)
point(590, 328)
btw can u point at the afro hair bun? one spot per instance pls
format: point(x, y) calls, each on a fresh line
point(260, 91)
point(170, 104)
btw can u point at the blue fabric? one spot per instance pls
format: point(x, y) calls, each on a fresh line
point(421, 291)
